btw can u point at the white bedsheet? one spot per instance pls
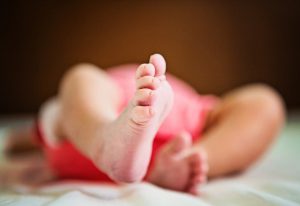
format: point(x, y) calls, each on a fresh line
point(275, 180)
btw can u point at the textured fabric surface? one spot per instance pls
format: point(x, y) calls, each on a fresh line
point(275, 180)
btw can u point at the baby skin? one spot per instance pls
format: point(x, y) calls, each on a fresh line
point(131, 137)
point(120, 145)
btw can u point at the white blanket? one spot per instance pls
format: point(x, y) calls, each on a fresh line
point(275, 180)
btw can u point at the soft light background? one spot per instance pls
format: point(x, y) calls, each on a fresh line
point(214, 45)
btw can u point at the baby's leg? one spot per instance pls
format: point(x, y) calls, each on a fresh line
point(241, 128)
point(118, 145)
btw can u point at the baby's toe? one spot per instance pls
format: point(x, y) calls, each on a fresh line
point(145, 70)
point(149, 82)
point(159, 63)
point(193, 190)
point(199, 179)
point(196, 180)
point(198, 174)
point(195, 161)
point(144, 97)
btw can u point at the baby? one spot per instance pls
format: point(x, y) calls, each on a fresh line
point(134, 123)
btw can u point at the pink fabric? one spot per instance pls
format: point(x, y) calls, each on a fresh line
point(188, 113)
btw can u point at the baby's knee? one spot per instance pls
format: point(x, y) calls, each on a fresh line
point(267, 103)
point(80, 71)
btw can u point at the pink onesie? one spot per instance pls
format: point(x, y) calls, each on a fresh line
point(188, 113)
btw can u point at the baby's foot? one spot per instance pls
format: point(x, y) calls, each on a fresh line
point(179, 167)
point(126, 144)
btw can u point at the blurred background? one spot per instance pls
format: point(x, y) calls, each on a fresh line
point(214, 45)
